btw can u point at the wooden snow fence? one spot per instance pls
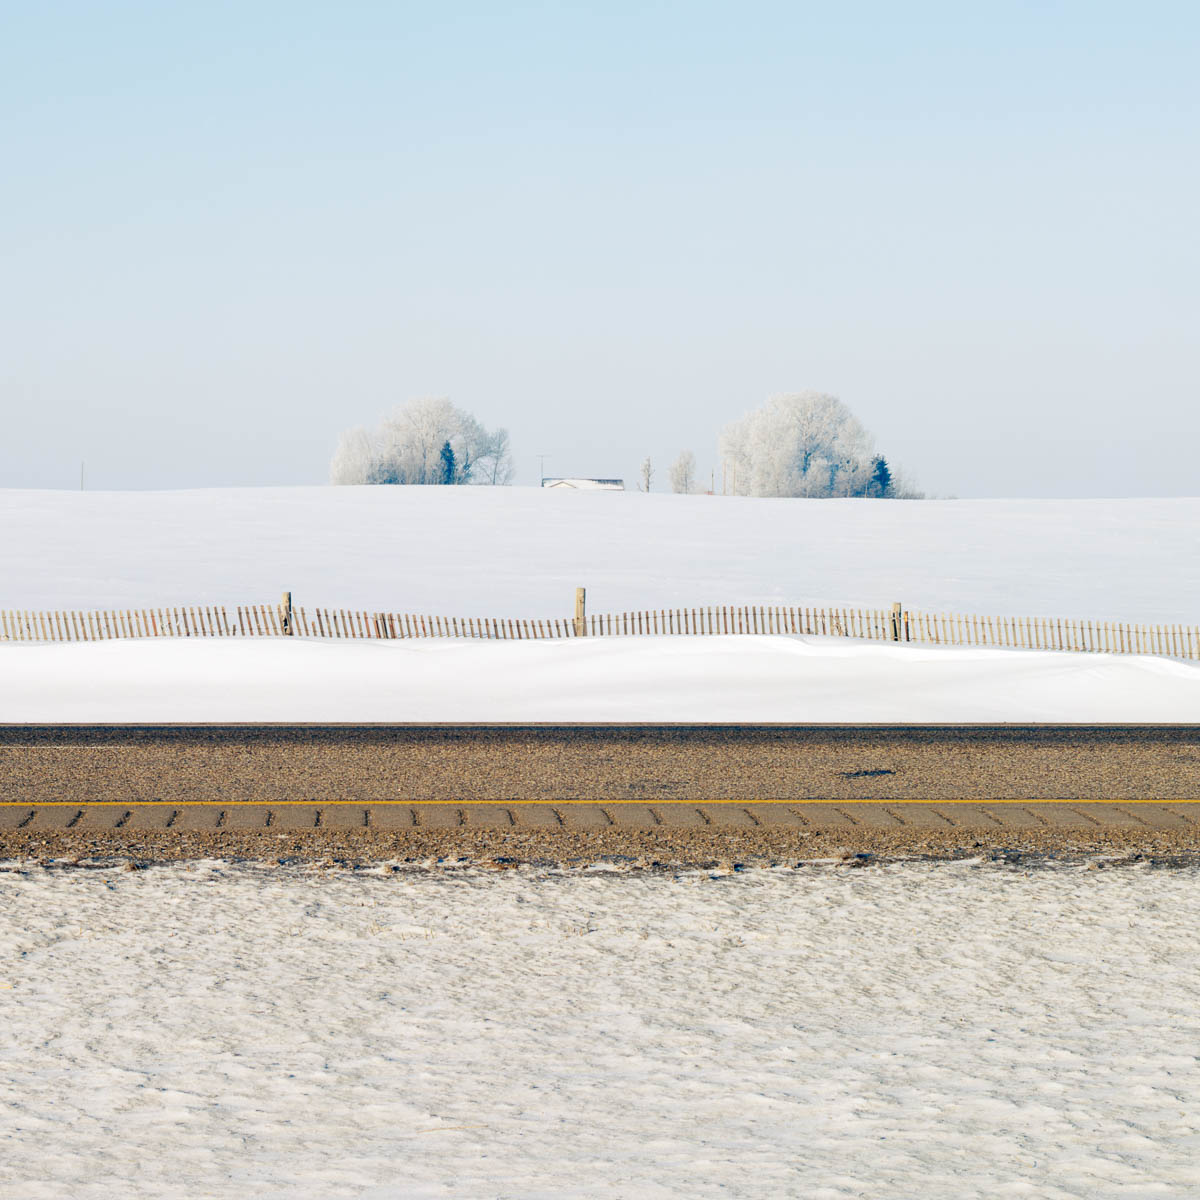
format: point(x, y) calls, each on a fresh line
point(886, 625)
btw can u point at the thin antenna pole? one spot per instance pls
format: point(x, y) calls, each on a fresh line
point(81, 475)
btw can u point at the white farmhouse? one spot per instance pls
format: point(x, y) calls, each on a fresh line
point(587, 485)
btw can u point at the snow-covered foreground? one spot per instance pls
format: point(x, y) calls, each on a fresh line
point(737, 679)
point(522, 551)
point(943, 1031)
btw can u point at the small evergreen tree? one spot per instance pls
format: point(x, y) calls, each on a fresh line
point(449, 466)
point(881, 478)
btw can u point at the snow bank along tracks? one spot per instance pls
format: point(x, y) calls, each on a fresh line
point(541, 789)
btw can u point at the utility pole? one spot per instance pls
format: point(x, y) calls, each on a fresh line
point(542, 469)
point(81, 475)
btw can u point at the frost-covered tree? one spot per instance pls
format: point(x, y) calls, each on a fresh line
point(647, 475)
point(804, 444)
point(353, 458)
point(427, 441)
point(494, 462)
point(683, 473)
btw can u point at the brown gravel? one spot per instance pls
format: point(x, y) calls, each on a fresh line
point(641, 794)
point(603, 763)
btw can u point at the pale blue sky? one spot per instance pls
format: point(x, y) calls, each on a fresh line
point(231, 229)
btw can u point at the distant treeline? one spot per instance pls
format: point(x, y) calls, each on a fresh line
point(801, 444)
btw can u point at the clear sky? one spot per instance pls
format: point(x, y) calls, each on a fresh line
point(230, 229)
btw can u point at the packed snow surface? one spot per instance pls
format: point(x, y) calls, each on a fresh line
point(737, 679)
point(521, 552)
point(947, 1030)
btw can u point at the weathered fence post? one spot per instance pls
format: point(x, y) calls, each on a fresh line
point(897, 621)
point(581, 612)
point(285, 615)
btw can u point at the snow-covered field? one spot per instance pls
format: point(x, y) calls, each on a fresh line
point(958, 1030)
point(522, 551)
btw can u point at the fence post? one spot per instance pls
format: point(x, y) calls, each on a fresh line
point(581, 612)
point(897, 621)
point(285, 615)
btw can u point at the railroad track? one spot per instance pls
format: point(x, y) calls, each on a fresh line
point(681, 793)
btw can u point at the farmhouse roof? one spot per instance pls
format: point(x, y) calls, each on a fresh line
point(587, 485)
